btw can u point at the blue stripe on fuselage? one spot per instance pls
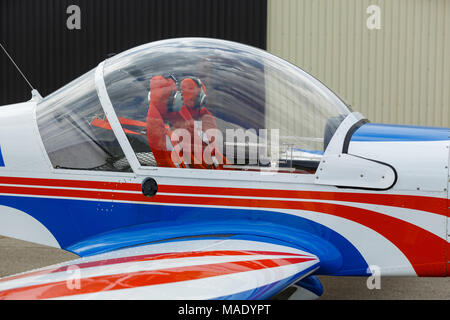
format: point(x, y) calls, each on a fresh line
point(389, 132)
point(81, 227)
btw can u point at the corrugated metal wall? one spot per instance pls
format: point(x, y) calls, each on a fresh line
point(397, 74)
point(51, 55)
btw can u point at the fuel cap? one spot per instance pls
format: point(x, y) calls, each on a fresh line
point(149, 187)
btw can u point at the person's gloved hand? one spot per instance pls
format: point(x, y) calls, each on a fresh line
point(161, 90)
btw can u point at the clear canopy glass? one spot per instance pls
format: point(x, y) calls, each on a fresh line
point(194, 103)
point(259, 104)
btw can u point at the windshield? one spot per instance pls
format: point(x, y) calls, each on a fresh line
point(68, 124)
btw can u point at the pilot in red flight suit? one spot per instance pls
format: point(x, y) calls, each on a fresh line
point(159, 133)
point(172, 109)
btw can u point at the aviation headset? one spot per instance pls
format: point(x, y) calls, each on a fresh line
point(200, 100)
point(176, 100)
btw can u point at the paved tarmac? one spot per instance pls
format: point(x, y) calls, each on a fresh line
point(18, 256)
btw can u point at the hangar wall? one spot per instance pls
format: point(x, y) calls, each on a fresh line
point(399, 73)
point(37, 35)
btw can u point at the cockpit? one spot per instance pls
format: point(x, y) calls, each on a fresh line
point(192, 103)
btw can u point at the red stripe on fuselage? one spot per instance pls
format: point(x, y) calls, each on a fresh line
point(144, 278)
point(430, 204)
point(105, 185)
point(422, 203)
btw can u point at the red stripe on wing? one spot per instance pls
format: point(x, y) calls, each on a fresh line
point(150, 257)
point(144, 278)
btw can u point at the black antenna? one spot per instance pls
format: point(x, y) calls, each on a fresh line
point(20, 71)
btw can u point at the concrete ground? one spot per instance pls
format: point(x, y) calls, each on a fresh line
point(18, 256)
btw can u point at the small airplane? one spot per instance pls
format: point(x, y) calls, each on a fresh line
point(198, 168)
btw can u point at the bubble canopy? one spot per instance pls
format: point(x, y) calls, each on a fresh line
point(218, 104)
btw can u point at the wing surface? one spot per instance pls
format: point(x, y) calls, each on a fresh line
point(189, 269)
